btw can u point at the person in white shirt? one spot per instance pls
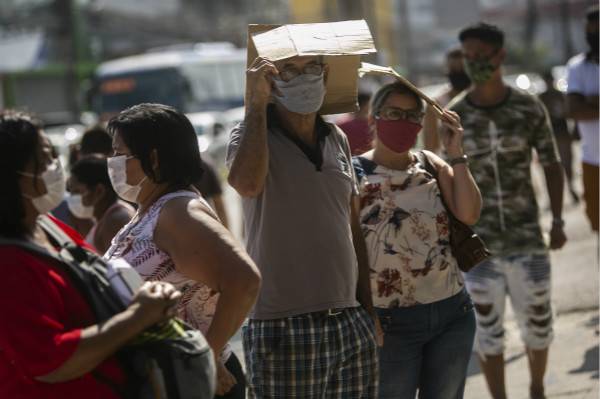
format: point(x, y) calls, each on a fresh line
point(582, 100)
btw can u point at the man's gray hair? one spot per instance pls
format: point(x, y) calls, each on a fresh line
point(382, 94)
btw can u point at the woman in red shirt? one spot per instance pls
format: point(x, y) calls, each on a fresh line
point(50, 343)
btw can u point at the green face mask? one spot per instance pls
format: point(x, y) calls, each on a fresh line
point(479, 71)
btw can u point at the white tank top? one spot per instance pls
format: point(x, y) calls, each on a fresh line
point(135, 243)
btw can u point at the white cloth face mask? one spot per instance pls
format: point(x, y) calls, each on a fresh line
point(75, 204)
point(304, 94)
point(117, 171)
point(54, 180)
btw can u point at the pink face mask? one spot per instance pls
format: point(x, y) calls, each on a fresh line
point(399, 136)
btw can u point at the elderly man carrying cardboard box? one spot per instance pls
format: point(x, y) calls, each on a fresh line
point(312, 332)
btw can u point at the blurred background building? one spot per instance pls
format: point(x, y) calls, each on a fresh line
point(50, 49)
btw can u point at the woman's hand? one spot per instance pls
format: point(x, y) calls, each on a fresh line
point(225, 380)
point(452, 134)
point(155, 302)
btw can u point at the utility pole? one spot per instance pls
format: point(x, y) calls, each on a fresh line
point(531, 20)
point(404, 40)
point(565, 28)
point(67, 33)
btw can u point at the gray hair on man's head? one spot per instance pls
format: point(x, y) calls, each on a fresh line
point(384, 91)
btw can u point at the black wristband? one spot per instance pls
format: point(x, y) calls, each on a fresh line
point(461, 159)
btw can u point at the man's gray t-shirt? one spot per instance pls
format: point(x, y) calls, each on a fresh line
point(298, 229)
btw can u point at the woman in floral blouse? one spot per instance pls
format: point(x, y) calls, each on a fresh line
point(418, 290)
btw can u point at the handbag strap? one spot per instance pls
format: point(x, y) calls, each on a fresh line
point(432, 170)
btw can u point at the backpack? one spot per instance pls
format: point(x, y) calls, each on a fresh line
point(167, 361)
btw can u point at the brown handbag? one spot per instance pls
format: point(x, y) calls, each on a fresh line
point(467, 247)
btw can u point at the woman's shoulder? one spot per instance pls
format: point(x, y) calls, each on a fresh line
point(120, 211)
point(18, 257)
point(182, 208)
point(364, 164)
point(22, 270)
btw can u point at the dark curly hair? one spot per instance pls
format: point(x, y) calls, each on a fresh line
point(487, 33)
point(148, 127)
point(95, 140)
point(19, 139)
point(92, 170)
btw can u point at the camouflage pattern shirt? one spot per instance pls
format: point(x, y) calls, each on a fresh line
point(498, 141)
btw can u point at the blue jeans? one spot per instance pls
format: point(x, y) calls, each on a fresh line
point(426, 347)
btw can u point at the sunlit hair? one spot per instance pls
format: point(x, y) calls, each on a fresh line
point(383, 93)
point(146, 128)
point(19, 141)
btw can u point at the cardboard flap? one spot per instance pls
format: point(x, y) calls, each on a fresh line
point(335, 38)
point(341, 44)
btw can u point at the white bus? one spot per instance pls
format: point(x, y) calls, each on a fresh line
point(205, 77)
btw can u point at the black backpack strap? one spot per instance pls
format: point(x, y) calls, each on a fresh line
point(86, 270)
point(29, 247)
point(63, 241)
point(429, 167)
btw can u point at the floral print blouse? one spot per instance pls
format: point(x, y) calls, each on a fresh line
point(405, 226)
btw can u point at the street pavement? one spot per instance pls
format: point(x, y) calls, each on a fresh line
point(573, 364)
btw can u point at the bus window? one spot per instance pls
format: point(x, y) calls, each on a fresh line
point(165, 86)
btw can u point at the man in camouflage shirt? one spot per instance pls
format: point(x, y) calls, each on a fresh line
point(502, 126)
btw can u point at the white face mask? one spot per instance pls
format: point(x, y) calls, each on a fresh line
point(304, 94)
point(75, 204)
point(117, 171)
point(54, 180)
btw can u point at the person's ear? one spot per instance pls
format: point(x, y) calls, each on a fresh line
point(325, 73)
point(98, 193)
point(501, 56)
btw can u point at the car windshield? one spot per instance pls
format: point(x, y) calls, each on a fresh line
point(215, 86)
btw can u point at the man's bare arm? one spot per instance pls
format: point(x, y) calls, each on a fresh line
point(249, 168)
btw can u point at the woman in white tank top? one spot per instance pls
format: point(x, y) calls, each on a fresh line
point(175, 236)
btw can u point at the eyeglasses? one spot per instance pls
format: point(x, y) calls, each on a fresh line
point(396, 114)
point(290, 73)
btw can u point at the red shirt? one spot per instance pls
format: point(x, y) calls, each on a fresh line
point(359, 135)
point(41, 318)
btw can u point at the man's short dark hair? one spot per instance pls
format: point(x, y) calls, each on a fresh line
point(92, 170)
point(145, 128)
point(487, 33)
point(96, 140)
point(591, 14)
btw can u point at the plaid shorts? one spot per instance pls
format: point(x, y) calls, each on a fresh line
point(314, 355)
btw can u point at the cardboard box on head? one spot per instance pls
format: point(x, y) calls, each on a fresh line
point(340, 43)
